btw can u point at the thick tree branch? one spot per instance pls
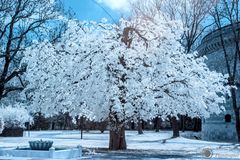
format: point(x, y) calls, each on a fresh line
point(172, 82)
point(11, 89)
point(127, 40)
point(15, 73)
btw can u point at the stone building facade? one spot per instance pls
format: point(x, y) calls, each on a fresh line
point(220, 127)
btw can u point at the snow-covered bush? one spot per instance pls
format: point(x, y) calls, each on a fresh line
point(14, 116)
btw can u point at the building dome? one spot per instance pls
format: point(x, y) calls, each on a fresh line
point(212, 42)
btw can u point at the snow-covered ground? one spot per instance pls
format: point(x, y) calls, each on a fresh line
point(149, 145)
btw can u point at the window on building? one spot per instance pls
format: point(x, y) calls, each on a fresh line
point(228, 118)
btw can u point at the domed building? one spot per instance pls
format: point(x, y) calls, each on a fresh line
point(220, 127)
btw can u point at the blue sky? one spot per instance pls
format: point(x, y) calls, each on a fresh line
point(89, 10)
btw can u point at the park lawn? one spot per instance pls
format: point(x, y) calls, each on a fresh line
point(150, 143)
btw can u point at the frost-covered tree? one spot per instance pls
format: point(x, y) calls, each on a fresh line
point(55, 71)
point(135, 70)
point(193, 14)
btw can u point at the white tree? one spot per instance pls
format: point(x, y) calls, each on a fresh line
point(194, 15)
point(122, 72)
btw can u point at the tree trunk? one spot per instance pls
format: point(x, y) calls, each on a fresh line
point(157, 124)
point(140, 129)
point(194, 124)
point(236, 112)
point(1, 91)
point(132, 125)
point(117, 139)
point(197, 124)
point(183, 117)
point(81, 126)
point(175, 127)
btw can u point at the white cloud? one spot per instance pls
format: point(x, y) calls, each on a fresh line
point(116, 4)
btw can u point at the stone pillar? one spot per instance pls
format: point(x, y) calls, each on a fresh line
point(51, 152)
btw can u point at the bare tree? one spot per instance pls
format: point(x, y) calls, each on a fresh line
point(21, 21)
point(226, 12)
point(192, 13)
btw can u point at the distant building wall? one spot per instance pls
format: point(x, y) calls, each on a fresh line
point(219, 127)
